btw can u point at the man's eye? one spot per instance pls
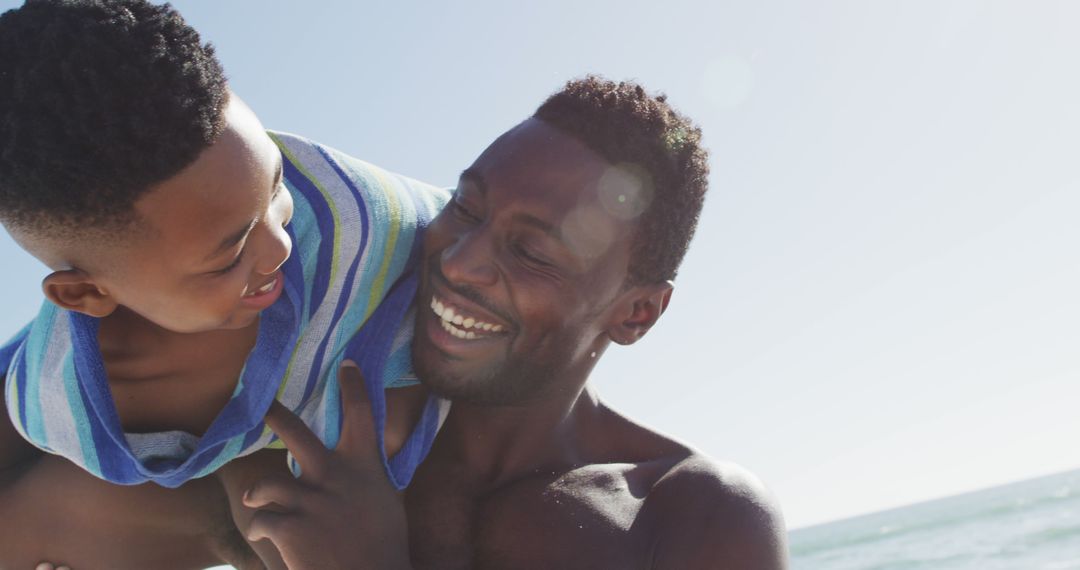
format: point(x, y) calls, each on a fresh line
point(463, 212)
point(529, 256)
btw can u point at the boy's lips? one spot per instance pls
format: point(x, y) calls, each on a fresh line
point(263, 296)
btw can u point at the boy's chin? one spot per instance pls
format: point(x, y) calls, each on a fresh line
point(237, 322)
point(232, 323)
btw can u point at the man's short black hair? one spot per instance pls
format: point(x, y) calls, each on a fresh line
point(629, 127)
point(99, 101)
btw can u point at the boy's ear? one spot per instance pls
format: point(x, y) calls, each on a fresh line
point(74, 290)
point(637, 310)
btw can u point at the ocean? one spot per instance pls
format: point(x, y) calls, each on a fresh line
point(1030, 525)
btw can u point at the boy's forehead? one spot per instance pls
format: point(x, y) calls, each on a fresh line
point(217, 193)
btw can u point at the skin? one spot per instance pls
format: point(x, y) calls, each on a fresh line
point(177, 323)
point(531, 469)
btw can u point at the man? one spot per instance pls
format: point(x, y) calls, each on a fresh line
point(562, 238)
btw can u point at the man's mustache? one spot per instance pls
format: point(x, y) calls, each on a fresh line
point(435, 275)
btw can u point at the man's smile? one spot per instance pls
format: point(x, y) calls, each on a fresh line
point(459, 323)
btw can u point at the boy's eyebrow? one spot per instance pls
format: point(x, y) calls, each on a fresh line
point(235, 238)
point(279, 172)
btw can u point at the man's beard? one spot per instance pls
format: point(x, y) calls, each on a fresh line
point(512, 381)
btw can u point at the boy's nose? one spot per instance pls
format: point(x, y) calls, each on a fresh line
point(278, 250)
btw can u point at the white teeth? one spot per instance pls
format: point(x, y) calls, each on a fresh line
point(455, 323)
point(264, 289)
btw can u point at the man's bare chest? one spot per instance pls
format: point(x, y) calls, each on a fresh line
point(578, 520)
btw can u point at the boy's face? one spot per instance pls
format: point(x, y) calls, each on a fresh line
point(207, 253)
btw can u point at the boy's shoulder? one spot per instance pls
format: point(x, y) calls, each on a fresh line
point(321, 163)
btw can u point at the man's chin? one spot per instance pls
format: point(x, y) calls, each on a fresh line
point(481, 388)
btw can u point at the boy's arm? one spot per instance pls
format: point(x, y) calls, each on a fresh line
point(14, 450)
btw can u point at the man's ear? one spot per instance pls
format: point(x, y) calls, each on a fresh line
point(637, 310)
point(74, 290)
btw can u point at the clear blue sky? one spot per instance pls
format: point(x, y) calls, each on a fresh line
point(883, 301)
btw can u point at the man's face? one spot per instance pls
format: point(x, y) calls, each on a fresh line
point(207, 254)
point(520, 269)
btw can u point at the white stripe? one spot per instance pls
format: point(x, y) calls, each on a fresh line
point(319, 326)
point(57, 415)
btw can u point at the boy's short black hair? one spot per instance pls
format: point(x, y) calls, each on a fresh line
point(99, 101)
point(627, 126)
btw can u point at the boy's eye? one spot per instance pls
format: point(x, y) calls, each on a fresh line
point(231, 266)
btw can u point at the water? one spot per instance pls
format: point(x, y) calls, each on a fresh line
point(1031, 525)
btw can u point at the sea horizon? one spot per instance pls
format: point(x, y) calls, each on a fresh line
point(1031, 524)
point(888, 509)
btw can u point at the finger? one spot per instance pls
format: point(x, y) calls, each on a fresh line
point(358, 438)
point(288, 493)
point(271, 526)
point(308, 450)
point(44, 566)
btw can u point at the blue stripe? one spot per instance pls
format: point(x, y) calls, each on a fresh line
point(78, 413)
point(32, 414)
point(305, 236)
point(20, 385)
point(315, 373)
point(108, 467)
point(324, 221)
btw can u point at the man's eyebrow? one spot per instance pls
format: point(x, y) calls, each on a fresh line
point(545, 227)
point(474, 176)
point(231, 241)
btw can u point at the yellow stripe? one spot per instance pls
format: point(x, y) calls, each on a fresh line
point(379, 284)
point(336, 244)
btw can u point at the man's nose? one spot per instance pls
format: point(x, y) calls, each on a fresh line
point(470, 259)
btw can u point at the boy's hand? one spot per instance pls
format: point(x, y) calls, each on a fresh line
point(342, 512)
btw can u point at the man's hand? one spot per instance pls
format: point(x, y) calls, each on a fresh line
point(342, 512)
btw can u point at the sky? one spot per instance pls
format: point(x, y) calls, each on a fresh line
point(882, 303)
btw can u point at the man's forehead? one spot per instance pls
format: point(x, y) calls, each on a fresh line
point(537, 162)
point(536, 175)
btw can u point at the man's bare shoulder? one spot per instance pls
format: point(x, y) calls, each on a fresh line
point(704, 513)
point(715, 515)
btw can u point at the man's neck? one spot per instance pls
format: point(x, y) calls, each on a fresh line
point(497, 444)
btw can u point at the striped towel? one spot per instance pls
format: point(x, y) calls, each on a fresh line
point(349, 285)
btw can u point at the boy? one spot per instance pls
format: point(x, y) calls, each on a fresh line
point(201, 268)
